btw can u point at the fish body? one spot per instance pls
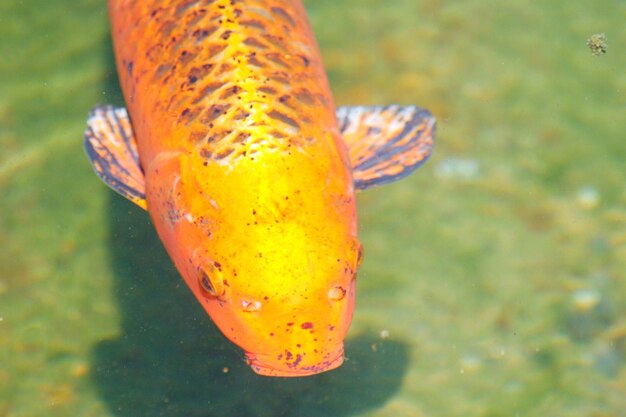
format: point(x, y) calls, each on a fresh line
point(242, 157)
point(232, 143)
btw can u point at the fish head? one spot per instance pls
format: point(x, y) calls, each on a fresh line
point(272, 259)
point(288, 309)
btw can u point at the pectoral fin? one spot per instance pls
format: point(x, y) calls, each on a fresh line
point(112, 151)
point(385, 143)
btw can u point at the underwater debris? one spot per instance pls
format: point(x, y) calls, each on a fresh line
point(597, 44)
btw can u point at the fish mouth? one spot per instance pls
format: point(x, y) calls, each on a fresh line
point(286, 369)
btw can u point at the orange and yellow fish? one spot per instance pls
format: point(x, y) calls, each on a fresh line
point(232, 143)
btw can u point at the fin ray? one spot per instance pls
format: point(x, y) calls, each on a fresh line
point(385, 143)
point(112, 150)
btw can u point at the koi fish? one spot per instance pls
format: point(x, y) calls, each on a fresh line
point(232, 143)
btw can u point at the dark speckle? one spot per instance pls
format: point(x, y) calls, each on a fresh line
point(213, 113)
point(188, 115)
point(307, 325)
point(200, 34)
point(305, 60)
point(298, 360)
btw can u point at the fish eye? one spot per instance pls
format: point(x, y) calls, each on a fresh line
point(337, 293)
point(205, 284)
point(211, 283)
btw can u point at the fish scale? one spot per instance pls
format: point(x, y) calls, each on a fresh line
point(240, 77)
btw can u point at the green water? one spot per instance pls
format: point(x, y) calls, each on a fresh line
point(494, 282)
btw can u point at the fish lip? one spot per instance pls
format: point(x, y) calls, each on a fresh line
point(264, 369)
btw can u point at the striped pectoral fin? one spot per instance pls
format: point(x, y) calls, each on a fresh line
point(385, 143)
point(112, 151)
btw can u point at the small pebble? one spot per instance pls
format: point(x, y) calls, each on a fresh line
point(585, 299)
point(588, 197)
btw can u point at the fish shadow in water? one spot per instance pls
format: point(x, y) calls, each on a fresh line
point(170, 359)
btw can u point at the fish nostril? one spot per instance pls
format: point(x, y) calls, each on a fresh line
point(250, 306)
point(336, 293)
